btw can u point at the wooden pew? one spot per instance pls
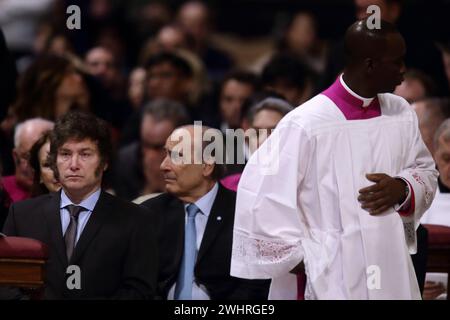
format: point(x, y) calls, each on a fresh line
point(439, 251)
point(22, 264)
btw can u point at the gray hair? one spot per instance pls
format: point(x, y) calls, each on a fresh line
point(443, 131)
point(164, 109)
point(31, 123)
point(436, 110)
point(274, 104)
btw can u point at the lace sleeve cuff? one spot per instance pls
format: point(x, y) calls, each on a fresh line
point(254, 258)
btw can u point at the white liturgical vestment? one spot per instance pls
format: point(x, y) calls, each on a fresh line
point(297, 200)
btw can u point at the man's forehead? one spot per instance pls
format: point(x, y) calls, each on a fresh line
point(182, 135)
point(79, 144)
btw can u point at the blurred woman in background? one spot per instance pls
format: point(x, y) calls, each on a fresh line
point(44, 180)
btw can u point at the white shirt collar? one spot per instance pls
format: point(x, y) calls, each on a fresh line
point(205, 203)
point(88, 203)
point(366, 101)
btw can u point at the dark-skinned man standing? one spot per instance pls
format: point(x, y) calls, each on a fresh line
point(340, 185)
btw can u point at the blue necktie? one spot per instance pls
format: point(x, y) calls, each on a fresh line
point(183, 289)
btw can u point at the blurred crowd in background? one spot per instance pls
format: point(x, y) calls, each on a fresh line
point(147, 67)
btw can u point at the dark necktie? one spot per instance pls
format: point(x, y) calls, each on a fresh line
point(71, 233)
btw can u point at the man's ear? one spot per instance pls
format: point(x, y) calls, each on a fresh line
point(369, 64)
point(105, 167)
point(15, 156)
point(208, 168)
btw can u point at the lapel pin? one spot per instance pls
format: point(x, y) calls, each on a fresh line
point(219, 218)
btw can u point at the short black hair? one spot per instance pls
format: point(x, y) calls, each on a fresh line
point(246, 77)
point(360, 38)
point(175, 60)
point(287, 68)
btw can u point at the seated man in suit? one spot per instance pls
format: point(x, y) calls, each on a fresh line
point(100, 246)
point(195, 227)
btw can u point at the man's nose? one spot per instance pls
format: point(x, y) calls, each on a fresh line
point(403, 67)
point(164, 164)
point(74, 162)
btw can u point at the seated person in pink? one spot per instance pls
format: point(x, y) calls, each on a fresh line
point(18, 186)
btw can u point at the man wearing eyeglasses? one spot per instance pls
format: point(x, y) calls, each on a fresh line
point(137, 166)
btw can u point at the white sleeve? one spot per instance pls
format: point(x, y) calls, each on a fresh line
point(268, 229)
point(421, 174)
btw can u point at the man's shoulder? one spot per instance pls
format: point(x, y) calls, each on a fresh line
point(394, 105)
point(34, 203)
point(225, 200)
point(225, 194)
point(26, 209)
point(166, 200)
point(120, 205)
point(317, 109)
point(161, 201)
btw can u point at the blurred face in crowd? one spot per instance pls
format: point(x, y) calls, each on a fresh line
point(136, 87)
point(102, 65)
point(193, 16)
point(166, 81)
point(24, 173)
point(60, 45)
point(170, 38)
point(266, 120)
point(47, 176)
point(186, 180)
point(71, 93)
point(80, 168)
point(427, 130)
point(291, 93)
point(411, 89)
point(153, 138)
point(442, 158)
point(446, 61)
point(302, 33)
point(232, 97)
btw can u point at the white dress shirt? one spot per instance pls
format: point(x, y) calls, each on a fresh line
point(88, 203)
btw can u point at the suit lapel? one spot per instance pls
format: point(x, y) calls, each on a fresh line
point(217, 218)
point(96, 220)
point(52, 214)
point(177, 207)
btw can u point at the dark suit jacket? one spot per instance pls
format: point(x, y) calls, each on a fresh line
point(116, 251)
point(129, 178)
point(212, 268)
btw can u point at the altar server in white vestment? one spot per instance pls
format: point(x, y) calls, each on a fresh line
point(339, 187)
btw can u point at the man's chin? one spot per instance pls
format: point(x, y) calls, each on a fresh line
point(172, 189)
point(73, 185)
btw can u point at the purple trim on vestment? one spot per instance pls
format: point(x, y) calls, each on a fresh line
point(351, 106)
